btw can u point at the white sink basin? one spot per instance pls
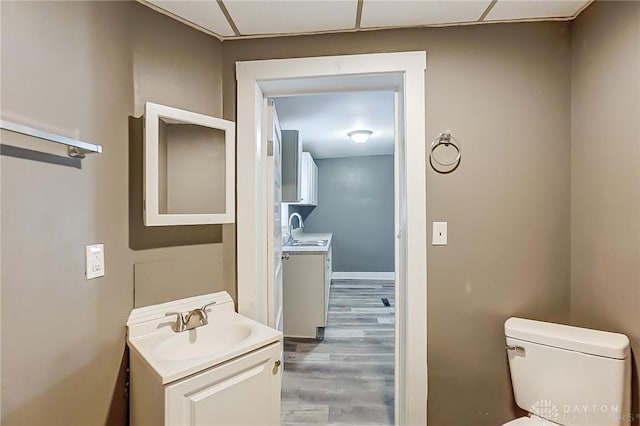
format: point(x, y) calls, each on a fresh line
point(200, 342)
point(173, 356)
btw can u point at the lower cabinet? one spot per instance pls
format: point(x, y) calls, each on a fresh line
point(306, 280)
point(243, 391)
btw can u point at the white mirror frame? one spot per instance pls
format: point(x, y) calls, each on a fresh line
point(152, 216)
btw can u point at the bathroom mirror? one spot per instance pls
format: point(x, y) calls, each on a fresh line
point(189, 168)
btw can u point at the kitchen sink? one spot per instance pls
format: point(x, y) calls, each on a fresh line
point(308, 243)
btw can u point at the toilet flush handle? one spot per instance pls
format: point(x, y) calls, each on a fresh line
point(517, 349)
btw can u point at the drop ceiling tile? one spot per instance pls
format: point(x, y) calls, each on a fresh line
point(203, 13)
point(534, 9)
point(403, 13)
point(286, 16)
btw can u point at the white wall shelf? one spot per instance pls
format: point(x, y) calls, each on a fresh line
point(189, 168)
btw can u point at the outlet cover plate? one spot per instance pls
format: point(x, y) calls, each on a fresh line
point(94, 255)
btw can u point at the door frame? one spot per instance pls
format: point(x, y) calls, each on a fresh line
point(403, 72)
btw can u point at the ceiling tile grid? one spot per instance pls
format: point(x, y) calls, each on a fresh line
point(229, 19)
point(205, 14)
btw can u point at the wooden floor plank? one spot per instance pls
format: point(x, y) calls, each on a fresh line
point(348, 378)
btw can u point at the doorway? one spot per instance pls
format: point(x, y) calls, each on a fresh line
point(402, 73)
point(338, 300)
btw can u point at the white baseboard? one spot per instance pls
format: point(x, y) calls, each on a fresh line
point(363, 275)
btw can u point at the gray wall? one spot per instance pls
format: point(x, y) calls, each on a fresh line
point(356, 204)
point(504, 92)
point(605, 237)
point(81, 68)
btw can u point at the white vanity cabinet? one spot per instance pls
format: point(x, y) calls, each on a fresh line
point(216, 396)
point(221, 395)
point(306, 285)
point(225, 372)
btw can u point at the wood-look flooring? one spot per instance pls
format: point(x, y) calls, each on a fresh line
point(348, 378)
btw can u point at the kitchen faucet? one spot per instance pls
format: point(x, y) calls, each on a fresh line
point(195, 318)
point(291, 221)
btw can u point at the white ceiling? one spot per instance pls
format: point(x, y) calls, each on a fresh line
point(325, 119)
point(401, 13)
point(291, 17)
point(230, 19)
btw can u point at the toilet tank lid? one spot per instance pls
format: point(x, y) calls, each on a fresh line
point(585, 340)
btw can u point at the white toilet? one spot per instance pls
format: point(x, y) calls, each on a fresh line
point(568, 376)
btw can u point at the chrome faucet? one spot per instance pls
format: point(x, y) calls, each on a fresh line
point(195, 318)
point(291, 221)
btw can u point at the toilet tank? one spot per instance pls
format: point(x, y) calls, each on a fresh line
point(569, 375)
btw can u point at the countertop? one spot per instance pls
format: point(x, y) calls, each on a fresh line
point(301, 236)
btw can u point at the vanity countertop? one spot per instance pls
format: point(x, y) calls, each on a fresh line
point(301, 236)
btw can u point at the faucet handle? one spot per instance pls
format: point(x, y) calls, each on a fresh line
point(207, 305)
point(205, 317)
point(179, 325)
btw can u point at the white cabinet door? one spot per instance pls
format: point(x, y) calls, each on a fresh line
point(306, 183)
point(307, 280)
point(309, 181)
point(314, 182)
point(242, 392)
point(304, 288)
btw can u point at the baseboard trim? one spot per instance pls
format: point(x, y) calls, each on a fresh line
point(363, 275)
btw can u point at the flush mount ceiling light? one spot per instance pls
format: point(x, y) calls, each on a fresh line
point(360, 136)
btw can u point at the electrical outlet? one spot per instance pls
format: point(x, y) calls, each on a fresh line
point(439, 234)
point(94, 256)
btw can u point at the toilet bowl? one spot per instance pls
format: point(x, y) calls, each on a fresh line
point(568, 376)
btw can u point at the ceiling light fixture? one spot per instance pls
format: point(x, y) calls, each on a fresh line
point(360, 136)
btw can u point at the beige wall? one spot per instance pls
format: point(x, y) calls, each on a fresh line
point(605, 208)
point(503, 91)
point(81, 68)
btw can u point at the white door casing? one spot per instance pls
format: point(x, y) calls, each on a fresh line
point(404, 73)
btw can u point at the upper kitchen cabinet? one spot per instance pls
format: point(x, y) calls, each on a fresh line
point(189, 168)
point(291, 166)
point(309, 181)
point(299, 172)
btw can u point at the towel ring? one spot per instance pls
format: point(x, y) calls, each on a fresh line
point(445, 139)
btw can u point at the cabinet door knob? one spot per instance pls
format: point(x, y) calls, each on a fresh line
point(285, 256)
point(278, 362)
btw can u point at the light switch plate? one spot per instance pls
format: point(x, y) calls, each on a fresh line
point(439, 234)
point(94, 255)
